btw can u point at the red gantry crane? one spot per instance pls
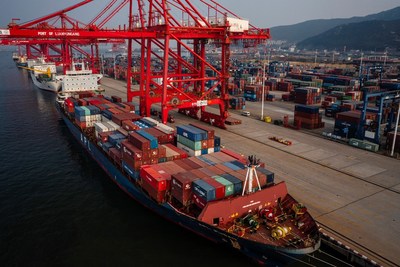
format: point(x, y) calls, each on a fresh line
point(172, 33)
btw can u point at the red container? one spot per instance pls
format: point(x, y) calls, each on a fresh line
point(170, 135)
point(190, 163)
point(116, 155)
point(210, 143)
point(162, 152)
point(198, 173)
point(183, 165)
point(219, 188)
point(207, 171)
point(118, 118)
point(198, 162)
point(157, 180)
point(213, 158)
point(223, 168)
point(200, 202)
point(82, 102)
point(158, 196)
point(116, 99)
point(139, 141)
point(222, 156)
point(162, 137)
point(182, 153)
point(103, 137)
point(130, 151)
point(181, 187)
point(172, 167)
point(133, 164)
point(81, 124)
point(216, 170)
point(130, 106)
point(129, 126)
point(235, 155)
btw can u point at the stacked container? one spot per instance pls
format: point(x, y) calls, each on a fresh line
point(308, 117)
point(254, 92)
point(237, 103)
point(87, 116)
point(346, 123)
point(307, 95)
point(195, 141)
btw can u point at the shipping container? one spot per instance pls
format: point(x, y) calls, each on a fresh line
point(181, 187)
point(237, 183)
point(229, 188)
point(203, 190)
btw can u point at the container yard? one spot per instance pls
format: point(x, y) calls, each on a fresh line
point(285, 162)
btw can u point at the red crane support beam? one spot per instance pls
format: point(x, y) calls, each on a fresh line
point(55, 14)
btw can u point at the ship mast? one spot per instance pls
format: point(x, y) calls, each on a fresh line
point(251, 174)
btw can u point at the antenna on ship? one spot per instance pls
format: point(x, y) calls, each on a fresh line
point(251, 173)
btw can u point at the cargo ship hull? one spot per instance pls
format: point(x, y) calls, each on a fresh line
point(261, 253)
point(47, 85)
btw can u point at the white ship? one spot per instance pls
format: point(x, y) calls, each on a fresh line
point(44, 74)
point(79, 79)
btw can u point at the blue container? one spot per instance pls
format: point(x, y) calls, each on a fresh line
point(217, 149)
point(153, 140)
point(161, 160)
point(237, 183)
point(208, 161)
point(131, 172)
point(79, 112)
point(307, 109)
point(106, 146)
point(141, 125)
point(190, 133)
point(239, 164)
point(217, 141)
point(93, 110)
point(116, 138)
point(147, 123)
point(204, 151)
point(107, 114)
point(203, 190)
point(270, 175)
point(231, 166)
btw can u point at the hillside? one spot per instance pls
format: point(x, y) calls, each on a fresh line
point(301, 31)
point(369, 35)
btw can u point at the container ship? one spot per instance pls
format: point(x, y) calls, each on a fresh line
point(184, 175)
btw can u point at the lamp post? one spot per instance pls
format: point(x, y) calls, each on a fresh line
point(263, 87)
point(263, 93)
point(395, 131)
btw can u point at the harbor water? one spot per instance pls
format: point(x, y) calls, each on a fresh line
point(58, 208)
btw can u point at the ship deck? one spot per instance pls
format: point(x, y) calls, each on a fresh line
point(350, 191)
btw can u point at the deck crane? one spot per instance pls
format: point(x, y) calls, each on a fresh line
point(174, 27)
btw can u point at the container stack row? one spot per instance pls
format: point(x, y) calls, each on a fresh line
point(254, 92)
point(237, 103)
point(307, 95)
point(308, 117)
point(197, 140)
point(346, 123)
point(199, 180)
point(87, 116)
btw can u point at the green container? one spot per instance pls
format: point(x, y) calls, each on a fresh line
point(355, 142)
point(194, 145)
point(229, 188)
point(370, 146)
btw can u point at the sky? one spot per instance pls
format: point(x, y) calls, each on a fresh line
point(260, 13)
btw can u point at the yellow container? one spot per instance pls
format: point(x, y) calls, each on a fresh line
point(267, 119)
